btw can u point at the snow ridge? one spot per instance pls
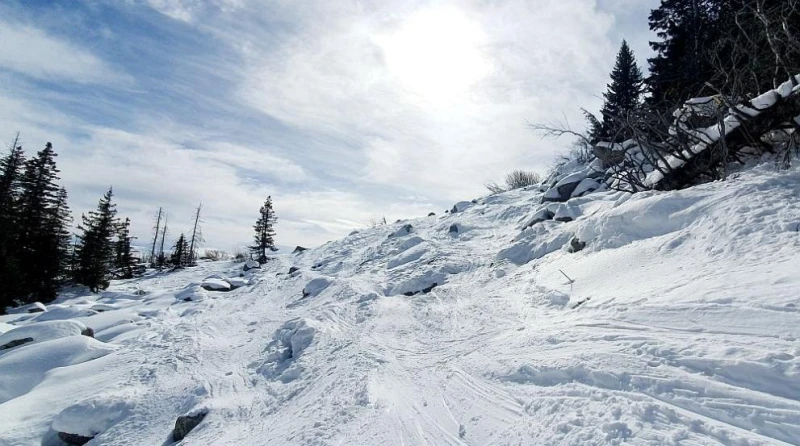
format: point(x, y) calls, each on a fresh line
point(678, 325)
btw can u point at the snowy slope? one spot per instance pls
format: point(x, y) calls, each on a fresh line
point(680, 327)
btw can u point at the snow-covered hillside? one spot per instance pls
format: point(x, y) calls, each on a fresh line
point(678, 325)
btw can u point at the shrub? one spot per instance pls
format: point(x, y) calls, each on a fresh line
point(520, 178)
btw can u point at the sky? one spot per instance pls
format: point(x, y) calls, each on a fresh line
point(343, 111)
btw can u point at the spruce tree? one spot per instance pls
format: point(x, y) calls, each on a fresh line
point(43, 219)
point(180, 253)
point(96, 249)
point(124, 262)
point(264, 232)
point(621, 97)
point(11, 167)
point(686, 29)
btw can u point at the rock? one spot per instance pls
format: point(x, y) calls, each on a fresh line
point(298, 249)
point(565, 213)
point(88, 332)
point(432, 214)
point(37, 307)
point(586, 186)
point(576, 245)
point(461, 206)
point(139, 293)
point(453, 229)
point(251, 264)
point(185, 423)
point(15, 343)
point(216, 284)
point(403, 231)
point(293, 269)
point(315, 287)
point(540, 216)
point(73, 438)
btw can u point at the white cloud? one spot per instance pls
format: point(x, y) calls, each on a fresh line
point(32, 52)
point(437, 111)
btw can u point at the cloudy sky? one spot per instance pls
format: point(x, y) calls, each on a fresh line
point(344, 111)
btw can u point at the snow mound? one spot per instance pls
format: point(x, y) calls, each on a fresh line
point(92, 417)
point(288, 344)
point(216, 284)
point(43, 331)
point(60, 312)
point(316, 286)
point(24, 368)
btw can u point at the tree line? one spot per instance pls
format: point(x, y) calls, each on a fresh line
point(39, 253)
point(712, 58)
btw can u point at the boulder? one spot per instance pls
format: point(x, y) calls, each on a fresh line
point(432, 214)
point(453, 229)
point(251, 264)
point(461, 206)
point(185, 423)
point(216, 284)
point(298, 249)
point(15, 343)
point(73, 439)
point(293, 269)
point(576, 245)
point(315, 287)
point(539, 216)
point(403, 231)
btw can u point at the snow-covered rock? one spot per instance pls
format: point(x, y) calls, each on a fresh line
point(23, 368)
point(216, 284)
point(36, 307)
point(60, 312)
point(251, 264)
point(89, 418)
point(402, 231)
point(461, 206)
point(42, 331)
point(316, 286)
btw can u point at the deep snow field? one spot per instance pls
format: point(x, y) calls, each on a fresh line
point(680, 327)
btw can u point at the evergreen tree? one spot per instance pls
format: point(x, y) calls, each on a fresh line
point(124, 262)
point(264, 232)
point(686, 29)
point(10, 190)
point(96, 250)
point(43, 220)
point(180, 253)
point(621, 97)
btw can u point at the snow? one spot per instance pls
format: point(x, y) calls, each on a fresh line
point(216, 284)
point(678, 324)
point(43, 331)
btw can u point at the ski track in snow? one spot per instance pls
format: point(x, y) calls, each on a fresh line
point(688, 336)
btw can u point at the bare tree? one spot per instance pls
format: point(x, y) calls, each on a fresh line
point(197, 236)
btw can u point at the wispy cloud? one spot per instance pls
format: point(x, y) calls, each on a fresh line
point(339, 110)
point(31, 52)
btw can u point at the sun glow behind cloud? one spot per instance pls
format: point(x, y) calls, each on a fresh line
point(436, 53)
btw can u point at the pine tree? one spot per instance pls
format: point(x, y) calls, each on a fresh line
point(10, 190)
point(264, 232)
point(621, 97)
point(59, 246)
point(96, 250)
point(43, 219)
point(686, 29)
point(124, 262)
point(197, 236)
point(180, 253)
